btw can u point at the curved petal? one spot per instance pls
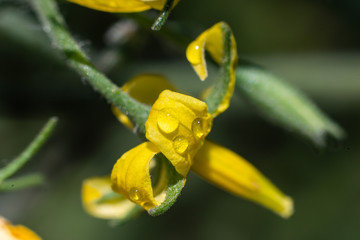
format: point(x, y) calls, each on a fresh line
point(17, 232)
point(122, 5)
point(220, 43)
point(177, 125)
point(100, 201)
point(144, 88)
point(159, 4)
point(229, 171)
point(114, 5)
point(131, 176)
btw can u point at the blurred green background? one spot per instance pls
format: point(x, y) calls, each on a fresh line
point(314, 44)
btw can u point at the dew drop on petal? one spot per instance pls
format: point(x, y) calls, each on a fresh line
point(167, 123)
point(198, 127)
point(134, 194)
point(180, 144)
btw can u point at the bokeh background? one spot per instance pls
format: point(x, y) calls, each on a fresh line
point(314, 44)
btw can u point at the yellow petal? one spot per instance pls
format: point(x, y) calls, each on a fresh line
point(131, 176)
point(145, 88)
point(114, 5)
point(122, 5)
point(96, 188)
point(18, 232)
point(231, 172)
point(177, 125)
point(213, 41)
point(159, 4)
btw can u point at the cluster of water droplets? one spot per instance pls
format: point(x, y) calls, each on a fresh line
point(169, 125)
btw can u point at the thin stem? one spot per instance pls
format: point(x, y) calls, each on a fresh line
point(54, 25)
point(21, 182)
point(29, 152)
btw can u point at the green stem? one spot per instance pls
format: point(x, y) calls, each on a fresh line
point(21, 182)
point(164, 14)
point(54, 25)
point(26, 155)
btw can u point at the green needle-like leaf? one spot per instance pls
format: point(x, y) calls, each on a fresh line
point(284, 105)
point(21, 182)
point(29, 152)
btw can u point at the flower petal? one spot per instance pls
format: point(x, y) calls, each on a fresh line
point(131, 176)
point(17, 232)
point(114, 5)
point(100, 201)
point(229, 171)
point(220, 43)
point(122, 5)
point(177, 125)
point(144, 88)
point(159, 4)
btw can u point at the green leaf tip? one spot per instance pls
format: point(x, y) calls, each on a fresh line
point(164, 14)
point(285, 106)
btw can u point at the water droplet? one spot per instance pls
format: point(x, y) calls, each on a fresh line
point(167, 123)
point(134, 194)
point(180, 144)
point(198, 127)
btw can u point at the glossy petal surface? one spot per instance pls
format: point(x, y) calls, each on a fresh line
point(131, 175)
point(229, 171)
point(178, 125)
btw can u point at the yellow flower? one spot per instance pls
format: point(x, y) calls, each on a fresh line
point(177, 126)
point(17, 232)
point(123, 5)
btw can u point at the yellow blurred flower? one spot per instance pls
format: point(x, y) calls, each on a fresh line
point(100, 201)
point(123, 5)
point(17, 232)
